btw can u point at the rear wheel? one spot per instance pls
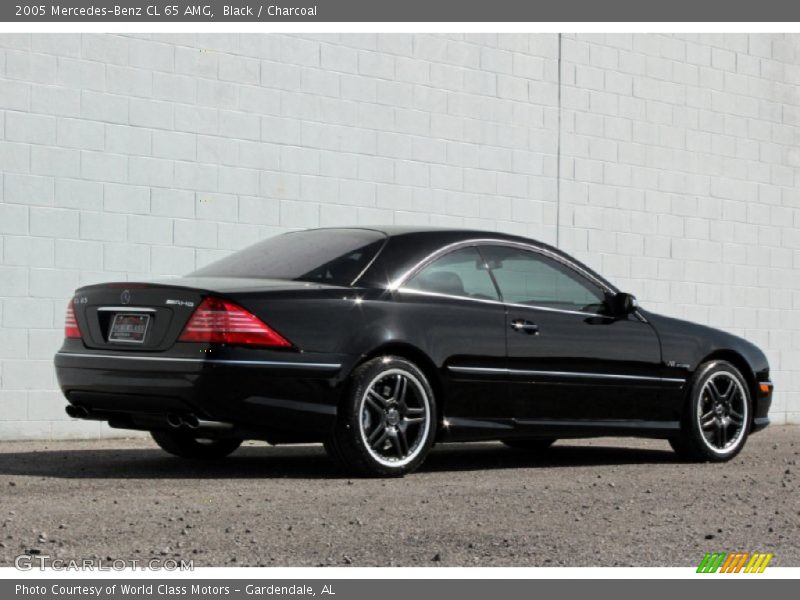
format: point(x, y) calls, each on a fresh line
point(186, 445)
point(537, 445)
point(386, 423)
point(717, 419)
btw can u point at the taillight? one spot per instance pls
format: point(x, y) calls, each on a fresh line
point(71, 329)
point(218, 321)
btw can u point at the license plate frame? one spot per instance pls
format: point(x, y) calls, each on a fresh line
point(132, 332)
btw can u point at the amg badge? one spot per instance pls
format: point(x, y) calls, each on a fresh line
point(186, 303)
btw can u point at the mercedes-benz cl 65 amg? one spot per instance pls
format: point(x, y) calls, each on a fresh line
point(380, 342)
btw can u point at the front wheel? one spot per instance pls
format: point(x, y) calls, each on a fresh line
point(387, 419)
point(717, 417)
point(186, 445)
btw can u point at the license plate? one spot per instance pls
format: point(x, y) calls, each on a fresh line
point(128, 328)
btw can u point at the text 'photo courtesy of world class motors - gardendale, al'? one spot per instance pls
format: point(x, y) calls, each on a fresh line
point(400, 299)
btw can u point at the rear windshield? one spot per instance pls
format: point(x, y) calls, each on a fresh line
point(333, 256)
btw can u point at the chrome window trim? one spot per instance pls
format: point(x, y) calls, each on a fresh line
point(398, 283)
point(222, 361)
point(402, 279)
point(405, 290)
point(579, 374)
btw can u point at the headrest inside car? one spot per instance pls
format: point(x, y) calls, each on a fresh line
point(444, 282)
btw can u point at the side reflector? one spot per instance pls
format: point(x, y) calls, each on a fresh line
point(71, 329)
point(765, 388)
point(218, 321)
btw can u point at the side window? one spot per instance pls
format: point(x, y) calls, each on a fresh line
point(459, 273)
point(526, 277)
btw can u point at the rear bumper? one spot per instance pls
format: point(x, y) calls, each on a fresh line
point(265, 394)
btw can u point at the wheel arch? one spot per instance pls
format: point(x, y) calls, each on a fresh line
point(741, 363)
point(420, 359)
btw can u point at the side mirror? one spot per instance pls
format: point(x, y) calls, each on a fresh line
point(621, 304)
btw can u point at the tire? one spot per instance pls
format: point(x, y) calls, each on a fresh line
point(186, 445)
point(537, 445)
point(387, 419)
point(716, 420)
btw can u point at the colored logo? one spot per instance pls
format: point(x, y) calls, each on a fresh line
point(735, 562)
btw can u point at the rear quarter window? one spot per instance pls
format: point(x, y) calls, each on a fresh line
point(331, 256)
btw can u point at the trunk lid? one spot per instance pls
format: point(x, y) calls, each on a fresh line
point(150, 316)
point(136, 317)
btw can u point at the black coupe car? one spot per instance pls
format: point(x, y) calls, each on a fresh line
point(381, 342)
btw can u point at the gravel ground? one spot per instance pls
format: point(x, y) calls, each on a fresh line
point(606, 502)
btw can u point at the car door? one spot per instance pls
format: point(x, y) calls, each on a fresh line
point(567, 357)
point(451, 309)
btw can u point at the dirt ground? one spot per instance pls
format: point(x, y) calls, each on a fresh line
point(608, 502)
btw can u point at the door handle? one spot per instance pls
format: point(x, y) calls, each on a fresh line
point(523, 326)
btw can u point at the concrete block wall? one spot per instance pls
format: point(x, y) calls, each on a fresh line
point(670, 163)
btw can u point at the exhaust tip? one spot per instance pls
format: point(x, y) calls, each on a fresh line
point(174, 421)
point(76, 412)
point(191, 421)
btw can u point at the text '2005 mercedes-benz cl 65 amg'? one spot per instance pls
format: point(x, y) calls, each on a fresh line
point(380, 342)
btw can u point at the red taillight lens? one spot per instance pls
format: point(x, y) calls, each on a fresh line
point(218, 321)
point(71, 329)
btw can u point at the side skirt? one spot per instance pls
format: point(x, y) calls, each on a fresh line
point(473, 430)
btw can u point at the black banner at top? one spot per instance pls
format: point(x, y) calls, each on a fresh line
point(176, 11)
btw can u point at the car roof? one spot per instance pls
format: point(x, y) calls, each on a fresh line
point(451, 233)
point(408, 245)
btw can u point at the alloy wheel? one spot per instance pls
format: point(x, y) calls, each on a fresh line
point(394, 417)
point(722, 412)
